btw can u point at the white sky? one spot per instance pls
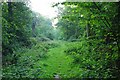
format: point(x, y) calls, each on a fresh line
point(44, 7)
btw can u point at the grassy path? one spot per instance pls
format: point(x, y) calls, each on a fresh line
point(47, 59)
point(57, 63)
point(44, 61)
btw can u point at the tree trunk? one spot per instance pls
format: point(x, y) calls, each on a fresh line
point(87, 30)
point(9, 11)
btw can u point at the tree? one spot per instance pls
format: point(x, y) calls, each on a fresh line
point(16, 32)
point(97, 25)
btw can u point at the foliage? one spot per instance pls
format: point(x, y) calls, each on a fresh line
point(28, 58)
point(16, 32)
point(43, 27)
point(95, 59)
point(97, 32)
point(88, 33)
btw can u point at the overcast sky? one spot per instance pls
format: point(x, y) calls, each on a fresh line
point(44, 7)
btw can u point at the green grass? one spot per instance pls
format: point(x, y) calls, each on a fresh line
point(66, 59)
point(43, 60)
point(58, 63)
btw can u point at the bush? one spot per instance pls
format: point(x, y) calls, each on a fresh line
point(96, 59)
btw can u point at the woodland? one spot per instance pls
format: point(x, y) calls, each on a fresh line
point(85, 43)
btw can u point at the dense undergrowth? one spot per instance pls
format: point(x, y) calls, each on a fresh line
point(82, 60)
point(96, 59)
point(89, 46)
point(26, 58)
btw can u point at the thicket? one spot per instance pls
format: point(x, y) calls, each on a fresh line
point(95, 27)
point(21, 27)
point(26, 61)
